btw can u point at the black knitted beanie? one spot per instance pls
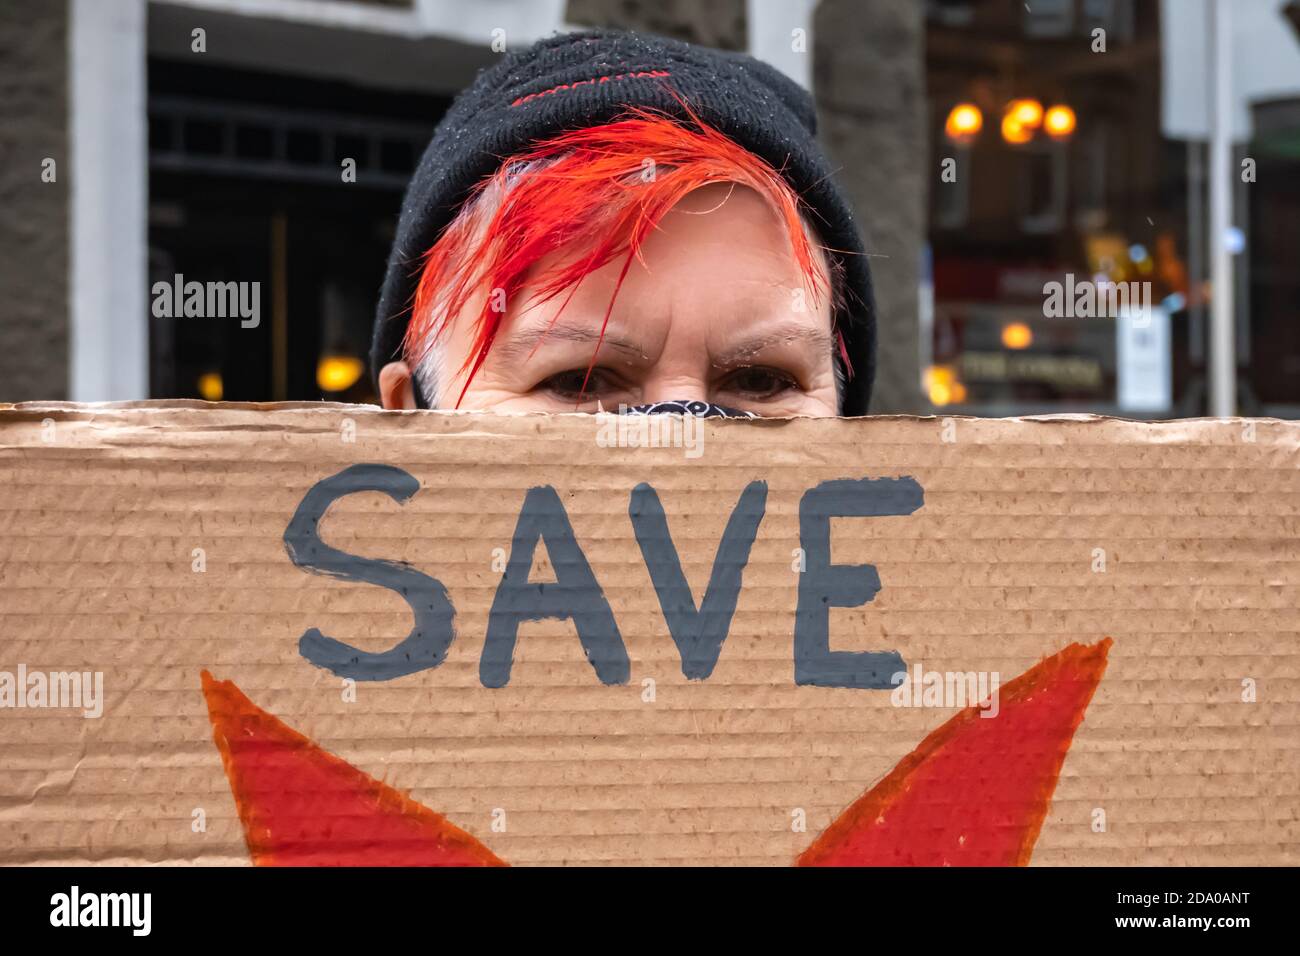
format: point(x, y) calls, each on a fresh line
point(586, 79)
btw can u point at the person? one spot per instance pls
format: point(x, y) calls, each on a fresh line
point(619, 222)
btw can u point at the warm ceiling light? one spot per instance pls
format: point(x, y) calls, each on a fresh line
point(941, 385)
point(211, 387)
point(335, 373)
point(1027, 112)
point(1020, 119)
point(1017, 335)
point(1060, 121)
point(1013, 132)
point(964, 122)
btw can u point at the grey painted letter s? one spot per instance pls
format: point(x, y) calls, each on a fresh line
point(434, 628)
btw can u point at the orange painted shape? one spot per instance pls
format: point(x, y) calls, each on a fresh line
point(302, 806)
point(976, 791)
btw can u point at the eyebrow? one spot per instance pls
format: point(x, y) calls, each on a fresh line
point(525, 341)
point(821, 339)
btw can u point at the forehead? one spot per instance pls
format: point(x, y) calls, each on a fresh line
point(719, 262)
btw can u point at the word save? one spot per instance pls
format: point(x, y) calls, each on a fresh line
point(699, 631)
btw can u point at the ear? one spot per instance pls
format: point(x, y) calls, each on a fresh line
point(396, 386)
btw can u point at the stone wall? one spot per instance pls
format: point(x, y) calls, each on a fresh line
point(716, 23)
point(869, 77)
point(34, 239)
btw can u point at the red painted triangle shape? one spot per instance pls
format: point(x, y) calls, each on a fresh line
point(976, 791)
point(302, 806)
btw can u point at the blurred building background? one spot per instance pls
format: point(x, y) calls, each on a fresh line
point(991, 147)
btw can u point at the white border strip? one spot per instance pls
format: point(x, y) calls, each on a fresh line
point(771, 25)
point(107, 139)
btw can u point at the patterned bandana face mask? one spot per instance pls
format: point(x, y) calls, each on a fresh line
point(692, 409)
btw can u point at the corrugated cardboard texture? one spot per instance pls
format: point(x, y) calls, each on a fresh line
point(102, 508)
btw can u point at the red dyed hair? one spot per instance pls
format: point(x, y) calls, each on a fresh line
point(585, 192)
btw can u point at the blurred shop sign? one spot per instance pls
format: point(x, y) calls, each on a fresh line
point(1144, 381)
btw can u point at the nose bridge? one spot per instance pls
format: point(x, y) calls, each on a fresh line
point(681, 372)
point(676, 388)
point(680, 375)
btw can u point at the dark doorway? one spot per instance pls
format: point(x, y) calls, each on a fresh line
point(251, 182)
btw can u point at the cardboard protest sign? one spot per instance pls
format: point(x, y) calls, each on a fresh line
point(328, 634)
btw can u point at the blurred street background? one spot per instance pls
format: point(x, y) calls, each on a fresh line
point(991, 148)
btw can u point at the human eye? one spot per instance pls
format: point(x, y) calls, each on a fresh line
point(759, 382)
point(578, 384)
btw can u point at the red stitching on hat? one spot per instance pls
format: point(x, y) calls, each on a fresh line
point(598, 79)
